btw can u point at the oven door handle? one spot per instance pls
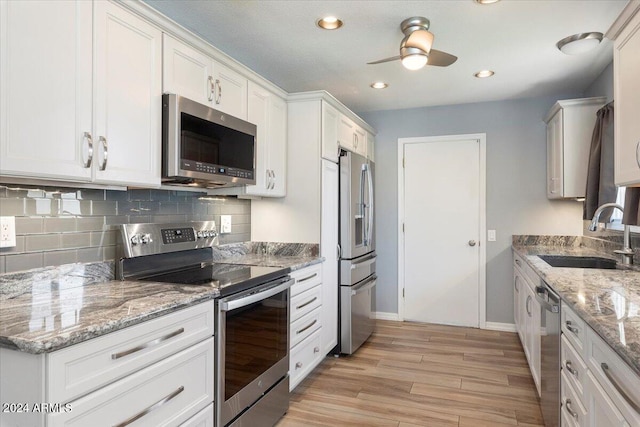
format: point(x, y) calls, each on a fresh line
point(253, 298)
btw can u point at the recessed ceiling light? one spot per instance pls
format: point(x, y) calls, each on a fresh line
point(329, 23)
point(379, 85)
point(579, 43)
point(484, 74)
point(486, 1)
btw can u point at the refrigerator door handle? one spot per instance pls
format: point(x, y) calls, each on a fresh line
point(370, 229)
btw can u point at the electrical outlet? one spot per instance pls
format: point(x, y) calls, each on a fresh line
point(225, 224)
point(7, 231)
point(491, 235)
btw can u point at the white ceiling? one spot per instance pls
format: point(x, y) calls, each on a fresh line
point(279, 40)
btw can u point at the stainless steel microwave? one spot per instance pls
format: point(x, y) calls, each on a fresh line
point(204, 147)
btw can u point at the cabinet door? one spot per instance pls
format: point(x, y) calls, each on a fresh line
point(45, 89)
point(554, 157)
point(186, 71)
point(517, 288)
point(329, 250)
point(258, 110)
point(230, 91)
point(128, 90)
point(601, 412)
point(360, 141)
point(346, 133)
point(278, 146)
point(330, 120)
point(627, 109)
point(371, 140)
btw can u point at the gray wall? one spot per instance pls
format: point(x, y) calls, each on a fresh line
point(516, 181)
point(603, 85)
point(57, 226)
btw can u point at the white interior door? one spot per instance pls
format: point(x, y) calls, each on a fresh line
point(442, 189)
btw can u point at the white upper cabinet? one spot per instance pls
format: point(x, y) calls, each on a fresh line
point(371, 141)
point(330, 121)
point(351, 136)
point(186, 71)
point(569, 129)
point(626, 66)
point(128, 88)
point(269, 113)
point(194, 75)
point(45, 89)
point(229, 91)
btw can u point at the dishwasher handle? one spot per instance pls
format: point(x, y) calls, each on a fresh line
point(544, 300)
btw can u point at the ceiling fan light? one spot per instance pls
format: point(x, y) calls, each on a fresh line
point(579, 43)
point(414, 61)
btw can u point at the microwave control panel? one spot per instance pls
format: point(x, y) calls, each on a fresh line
point(215, 169)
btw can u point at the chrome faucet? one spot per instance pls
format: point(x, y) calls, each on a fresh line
point(627, 251)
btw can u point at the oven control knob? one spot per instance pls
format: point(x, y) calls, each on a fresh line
point(214, 233)
point(200, 234)
point(145, 238)
point(205, 234)
point(135, 239)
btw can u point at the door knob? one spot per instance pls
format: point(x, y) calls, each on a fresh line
point(472, 242)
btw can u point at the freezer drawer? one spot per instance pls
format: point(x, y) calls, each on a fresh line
point(353, 271)
point(355, 313)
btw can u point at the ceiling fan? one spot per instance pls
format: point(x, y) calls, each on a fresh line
point(415, 48)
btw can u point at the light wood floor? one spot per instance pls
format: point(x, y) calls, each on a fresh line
point(411, 374)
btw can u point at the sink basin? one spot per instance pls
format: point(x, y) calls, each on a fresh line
point(578, 261)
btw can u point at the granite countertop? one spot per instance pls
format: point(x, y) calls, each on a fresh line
point(47, 309)
point(607, 300)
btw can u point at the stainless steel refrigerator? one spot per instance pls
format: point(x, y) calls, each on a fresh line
point(357, 251)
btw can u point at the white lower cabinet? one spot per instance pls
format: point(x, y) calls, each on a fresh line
point(164, 365)
point(601, 389)
point(204, 418)
point(306, 308)
point(164, 394)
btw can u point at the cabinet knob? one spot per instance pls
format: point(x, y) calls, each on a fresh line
point(298, 365)
point(316, 349)
point(472, 242)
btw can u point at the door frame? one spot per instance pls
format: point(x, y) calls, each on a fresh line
point(482, 276)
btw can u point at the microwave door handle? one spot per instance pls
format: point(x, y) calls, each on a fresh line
point(370, 228)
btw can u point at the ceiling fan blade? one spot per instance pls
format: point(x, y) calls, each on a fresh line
point(380, 61)
point(421, 39)
point(441, 59)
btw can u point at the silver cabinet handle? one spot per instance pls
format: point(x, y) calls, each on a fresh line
point(212, 88)
point(89, 139)
point(298, 307)
point(298, 365)
point(338, 252)
point(612, 379)
point(515, 284)
point(567, 405)
point(638, 153)
point(105, 152)
point(307, 278)
point(571, 328)
point(219, 94)
point(115, 356)
point(316, 349)
point(268, 179)
point(569, 366)
point(527, 305)
point(273, 182)
point(156, 405)
point(472, 242)
point(307, 327)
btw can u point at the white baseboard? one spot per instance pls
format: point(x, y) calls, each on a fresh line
point(503, 327)
point(385, 316)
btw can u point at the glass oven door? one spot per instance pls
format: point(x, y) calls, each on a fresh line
point(252, 346)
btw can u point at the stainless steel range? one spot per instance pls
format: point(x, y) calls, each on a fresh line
point(252, 314)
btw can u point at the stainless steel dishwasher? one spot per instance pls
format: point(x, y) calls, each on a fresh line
point(550, 354)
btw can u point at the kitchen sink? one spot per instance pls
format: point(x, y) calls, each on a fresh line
point(578, 261)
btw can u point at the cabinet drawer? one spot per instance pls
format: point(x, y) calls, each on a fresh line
point(82, 368)
point(305, 302)
point(574, 329)
point(571, 407)
point(303, 358)
point(620, 383)
point(203, 418)
point(574, 367)
point(172, 391)
point(306, 279)
point(304, 326)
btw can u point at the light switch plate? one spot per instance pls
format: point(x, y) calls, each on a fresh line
point(7, 231)
point(225, 224)
point(491, 235)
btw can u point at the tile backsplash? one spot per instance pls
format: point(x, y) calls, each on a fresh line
point(57, 226)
